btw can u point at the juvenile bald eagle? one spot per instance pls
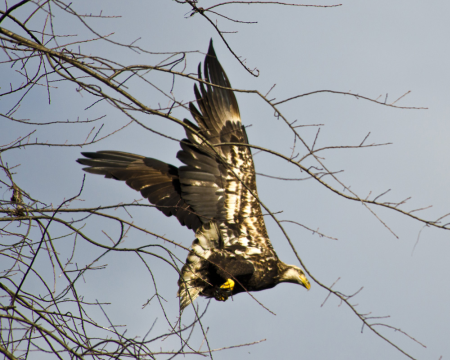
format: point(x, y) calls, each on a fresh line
point(213, 193)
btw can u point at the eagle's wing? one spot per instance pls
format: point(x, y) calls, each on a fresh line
point(214, 184)
point(157, 181)
point(220, 184)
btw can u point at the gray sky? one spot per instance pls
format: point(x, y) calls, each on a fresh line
point(368, 48)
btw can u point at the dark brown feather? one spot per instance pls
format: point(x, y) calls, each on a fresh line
point(157, 181)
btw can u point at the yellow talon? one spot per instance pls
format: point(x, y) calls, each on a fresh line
point(228, 285)
point(225, 290)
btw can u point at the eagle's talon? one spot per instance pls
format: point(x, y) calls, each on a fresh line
point(225, 290)
point(228, 285)
point(221, 297)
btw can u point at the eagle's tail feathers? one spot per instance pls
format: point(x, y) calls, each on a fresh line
point(188, 293)
point(194, 274)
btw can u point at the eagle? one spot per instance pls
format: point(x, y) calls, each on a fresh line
point(213, 193)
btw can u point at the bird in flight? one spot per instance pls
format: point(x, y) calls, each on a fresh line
point(213, 193)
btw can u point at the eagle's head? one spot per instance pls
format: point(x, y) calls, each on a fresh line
point(292, 274)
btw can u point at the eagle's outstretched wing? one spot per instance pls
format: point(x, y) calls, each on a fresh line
point(157, 181)
point(215, 183)
point(227, 171)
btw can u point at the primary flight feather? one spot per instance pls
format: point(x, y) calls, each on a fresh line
point(213, 193)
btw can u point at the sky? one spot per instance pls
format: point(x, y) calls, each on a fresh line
point(379, 50)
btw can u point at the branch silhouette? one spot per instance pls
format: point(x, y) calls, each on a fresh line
point(54, 315)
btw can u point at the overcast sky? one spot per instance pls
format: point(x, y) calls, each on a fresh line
point(371, 48)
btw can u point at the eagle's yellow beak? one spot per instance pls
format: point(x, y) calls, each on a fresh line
point(305, 282)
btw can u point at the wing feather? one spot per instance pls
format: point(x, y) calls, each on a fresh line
point(157, 181)
point(229, 170)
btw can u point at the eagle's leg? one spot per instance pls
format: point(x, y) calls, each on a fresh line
point(225, 290)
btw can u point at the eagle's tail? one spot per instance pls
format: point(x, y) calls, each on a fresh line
point(194, 274)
